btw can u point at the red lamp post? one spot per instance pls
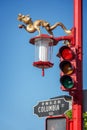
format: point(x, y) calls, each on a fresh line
point(78, 94)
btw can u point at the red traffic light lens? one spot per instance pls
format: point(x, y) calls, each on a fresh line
point(66, 53)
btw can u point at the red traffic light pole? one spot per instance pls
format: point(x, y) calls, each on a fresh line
point(78, 94)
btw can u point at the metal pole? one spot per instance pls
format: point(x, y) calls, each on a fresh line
point(78, 94)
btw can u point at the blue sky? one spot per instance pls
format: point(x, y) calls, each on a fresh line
point(21, 84)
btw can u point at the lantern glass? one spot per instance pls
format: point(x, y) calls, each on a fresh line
point(43, 49)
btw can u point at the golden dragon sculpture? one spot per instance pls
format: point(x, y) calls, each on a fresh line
point(31, 26)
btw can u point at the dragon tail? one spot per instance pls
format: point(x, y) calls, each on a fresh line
point(62, 26)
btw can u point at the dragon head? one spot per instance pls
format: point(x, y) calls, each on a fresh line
point(24, 18)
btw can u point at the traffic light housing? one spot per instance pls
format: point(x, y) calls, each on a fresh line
point(67, 55)
point(57, 123)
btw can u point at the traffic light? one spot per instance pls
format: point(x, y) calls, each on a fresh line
point(57, 123)
point(67, 55)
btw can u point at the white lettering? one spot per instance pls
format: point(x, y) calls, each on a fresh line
point(48, 108)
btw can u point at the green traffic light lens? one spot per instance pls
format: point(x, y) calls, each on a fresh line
point(67, 81)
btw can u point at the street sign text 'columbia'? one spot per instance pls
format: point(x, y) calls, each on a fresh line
point(51, 107)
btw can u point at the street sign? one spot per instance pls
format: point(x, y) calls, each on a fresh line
point(52, 107)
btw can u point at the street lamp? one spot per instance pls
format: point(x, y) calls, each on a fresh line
point(43, 51)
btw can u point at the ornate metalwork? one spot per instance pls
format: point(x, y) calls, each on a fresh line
point(31, 26)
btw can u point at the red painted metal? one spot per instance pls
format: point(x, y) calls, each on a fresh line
point(32, 40)
point(77, 94)
point(70, 37)
point(55, 39)
point(43, 64)
point(70, 125)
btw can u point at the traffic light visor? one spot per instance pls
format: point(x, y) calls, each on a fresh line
point(66, 53)
point(67, 81)
point(66, 67)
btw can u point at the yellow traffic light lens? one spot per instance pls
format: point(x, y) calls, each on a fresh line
point(66, 67)
point(67, 81)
